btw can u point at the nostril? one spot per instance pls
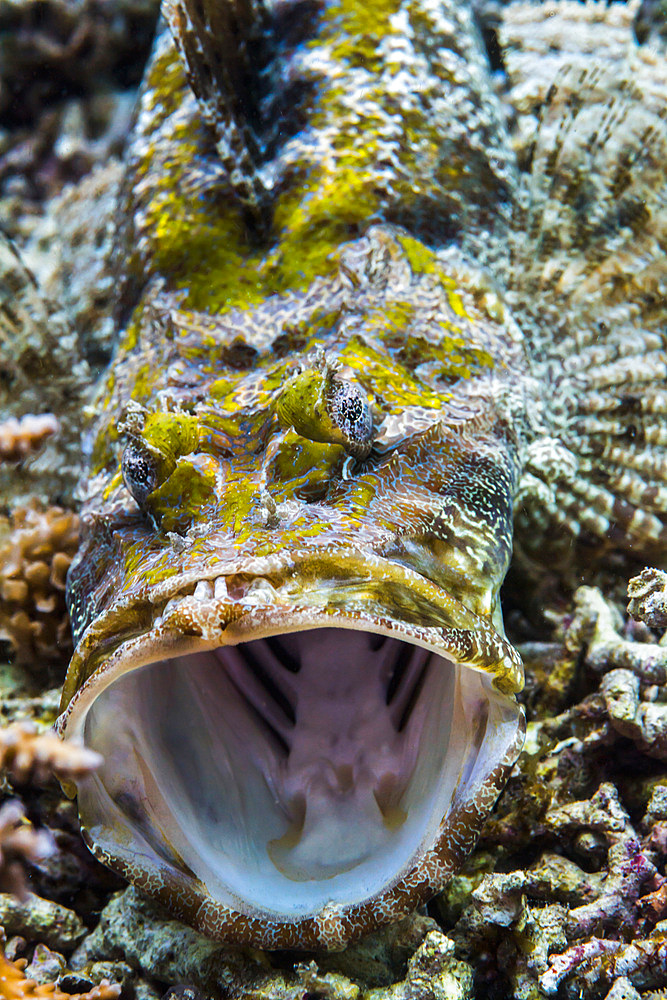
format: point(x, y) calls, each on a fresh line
point(315, 492)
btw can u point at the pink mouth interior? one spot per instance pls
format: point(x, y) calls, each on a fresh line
point(292, 772)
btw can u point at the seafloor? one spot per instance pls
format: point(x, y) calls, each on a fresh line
point(566, 893)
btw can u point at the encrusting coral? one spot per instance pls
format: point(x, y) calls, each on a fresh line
point(36, 547)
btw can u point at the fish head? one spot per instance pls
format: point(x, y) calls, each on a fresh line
point(290, 651)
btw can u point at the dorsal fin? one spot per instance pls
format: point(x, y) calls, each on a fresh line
point(589, 287)
point(224, 45)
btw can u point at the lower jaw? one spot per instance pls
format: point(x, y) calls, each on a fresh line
point(293, 808)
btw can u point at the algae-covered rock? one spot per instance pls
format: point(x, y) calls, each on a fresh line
point(42, 920)
point(410, 960)
point(434, 973)
point(165, 949)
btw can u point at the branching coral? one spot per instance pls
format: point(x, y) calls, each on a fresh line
point(28, 755)
point(36, 548)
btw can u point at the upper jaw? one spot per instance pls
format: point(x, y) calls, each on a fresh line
point(276, 595)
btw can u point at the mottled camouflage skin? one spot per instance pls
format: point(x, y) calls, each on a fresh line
point(248, 489)
point(220, 315)
point(354, 230)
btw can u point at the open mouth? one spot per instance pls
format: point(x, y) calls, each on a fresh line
point(296, 755)
point(293, 772)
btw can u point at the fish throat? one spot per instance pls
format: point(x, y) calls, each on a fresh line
point(289, 773)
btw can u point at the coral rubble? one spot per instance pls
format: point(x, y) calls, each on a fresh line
point(408, 960)
point(568, 889)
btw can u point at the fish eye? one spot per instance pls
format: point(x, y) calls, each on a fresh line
point(139, 469)
point(322, 406)
point(350, 411)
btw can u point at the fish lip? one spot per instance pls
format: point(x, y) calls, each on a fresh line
point(196, 625)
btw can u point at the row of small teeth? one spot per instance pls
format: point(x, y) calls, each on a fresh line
point(209, 590)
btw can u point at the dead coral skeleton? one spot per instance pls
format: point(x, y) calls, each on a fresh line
point(635, 673)
point(596, 627)
point(629, 868)
point(19, 439)
point(598, 961)
point(591, 910)
point(562, 941)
